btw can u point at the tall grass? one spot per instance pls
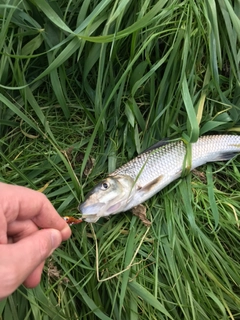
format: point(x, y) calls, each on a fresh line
point(96, 82)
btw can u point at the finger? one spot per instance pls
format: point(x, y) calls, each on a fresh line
point(18, 230)
point(3, 229)
point(35, 277)
point(19, 260)
point(22, 203)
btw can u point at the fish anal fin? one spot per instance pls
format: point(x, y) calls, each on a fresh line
point(226, 156)
point(151, 184)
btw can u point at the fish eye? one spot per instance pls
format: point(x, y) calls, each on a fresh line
point(105, 185)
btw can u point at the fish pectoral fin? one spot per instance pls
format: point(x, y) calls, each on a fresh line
point(151, 184)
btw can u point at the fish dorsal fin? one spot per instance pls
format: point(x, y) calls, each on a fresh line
point(156, 145)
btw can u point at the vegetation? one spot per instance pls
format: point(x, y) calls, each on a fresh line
point(85, 86)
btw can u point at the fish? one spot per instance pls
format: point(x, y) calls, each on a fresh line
point(142, 177)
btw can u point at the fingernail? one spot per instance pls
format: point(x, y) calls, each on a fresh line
point(56, 238)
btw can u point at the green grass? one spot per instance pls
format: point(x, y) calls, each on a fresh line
point(107, 79)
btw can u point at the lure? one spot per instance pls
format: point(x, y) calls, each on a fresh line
point(71, 220)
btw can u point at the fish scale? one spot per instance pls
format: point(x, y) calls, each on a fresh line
point(148, 173)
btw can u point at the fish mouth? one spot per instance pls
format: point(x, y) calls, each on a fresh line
point(91, 218)
point(91, 212)
point(91, 209)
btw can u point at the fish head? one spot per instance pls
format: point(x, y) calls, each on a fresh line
point(110, 196)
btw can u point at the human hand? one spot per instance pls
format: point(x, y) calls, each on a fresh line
point(30, 230)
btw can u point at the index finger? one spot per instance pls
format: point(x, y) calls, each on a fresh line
point(20, 203)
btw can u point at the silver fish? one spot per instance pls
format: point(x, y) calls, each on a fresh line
point(151, 171)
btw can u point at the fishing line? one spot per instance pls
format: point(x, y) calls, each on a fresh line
point(131, 264)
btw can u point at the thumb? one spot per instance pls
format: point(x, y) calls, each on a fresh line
point(20, 259)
